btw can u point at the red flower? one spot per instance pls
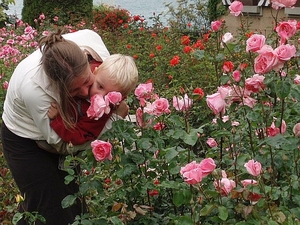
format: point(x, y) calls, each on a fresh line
point(107, 180)
point(153, 192)
point(125, 25)
point(298, 25)
point(158, 47)
point(228, 66)
point(128, 46)
point(175, 60)
point(136, 18)
point(187, 49)
point(249, 34)
point(153, 34)
point(156, 182)
point(243, 66)
point(206, 37)
point(254, 197)
point(185, 40)
point(189, 24)
point(199, 45)
point(135, 57)
point(151, 55)
point(198, 91)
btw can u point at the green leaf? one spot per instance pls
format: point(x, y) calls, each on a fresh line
point(17, 217)
point(69, 178)
point(116, 221)
point(126, 171)
point(223, 213)
point(182, 197)
point(276, 141)
point(199, 54)
point(68, 201)
point(191, 138)
point(136, 157)
point(283, 88)
point(185, 220)
point(171, 153)
point(224, 79)
point(207, 209)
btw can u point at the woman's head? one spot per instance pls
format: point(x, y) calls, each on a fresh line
point(68, 70)
point(66, 65)
point(117, 73)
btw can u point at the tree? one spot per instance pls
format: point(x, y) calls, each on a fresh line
point(67, 11)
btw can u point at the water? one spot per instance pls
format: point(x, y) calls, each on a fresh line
point(145, 8)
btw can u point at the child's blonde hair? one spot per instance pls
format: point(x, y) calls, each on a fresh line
point(122, 71)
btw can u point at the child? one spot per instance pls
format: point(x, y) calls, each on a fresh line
point(117, 73)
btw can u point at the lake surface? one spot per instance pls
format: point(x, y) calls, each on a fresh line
point(144, 8)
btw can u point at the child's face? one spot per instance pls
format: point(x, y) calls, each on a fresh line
point(103, 84)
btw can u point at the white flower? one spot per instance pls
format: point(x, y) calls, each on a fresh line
point(227, 37)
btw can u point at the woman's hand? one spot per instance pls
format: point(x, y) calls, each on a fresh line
point(52, 111)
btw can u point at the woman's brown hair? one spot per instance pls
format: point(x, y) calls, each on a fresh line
point(63, 61)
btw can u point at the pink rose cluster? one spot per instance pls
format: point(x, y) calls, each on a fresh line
point(100, 105)
point(268, 58)
point(273, 130)
point(101, 150)
point(226, 95)
point(193, 172)
point(156, 106)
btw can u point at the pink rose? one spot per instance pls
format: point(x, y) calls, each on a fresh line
point(253, 167)
point(191, 173)
point(211, 142)
point(215, 25)
point(216, 103)
point(248, 182)
point(285, 52)
point(255, 42)
point(159, 126)
point(144, 91)
point(283, 127)
point(255, 83)
point(272, 130)
point(5, 85)
point(236, 76)
point(139, 117)
point(236, 8)
point(296, 129)
point(207, 166)
point(266, 60)
point(160, 106)
point(250, 102)
point(101, 150)
point(277, 4)
point(114, 97)
point(297, 79)
point(98, 107)
point(182, 104)
point(286, 30)
point(224, 186)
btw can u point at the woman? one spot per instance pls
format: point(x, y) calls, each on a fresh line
point(57, 72)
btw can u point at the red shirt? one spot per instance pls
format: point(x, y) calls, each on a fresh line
point(86, 129)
